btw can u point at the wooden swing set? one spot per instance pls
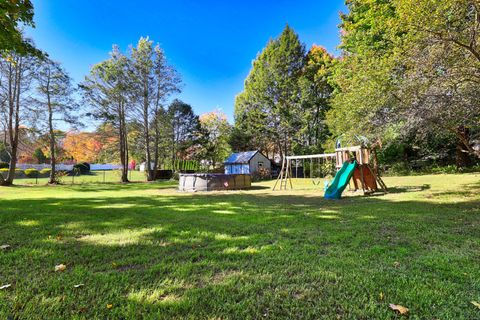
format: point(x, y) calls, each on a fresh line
point(286, 172)
point(364, 175)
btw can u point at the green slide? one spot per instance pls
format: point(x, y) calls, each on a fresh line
point(340, 182)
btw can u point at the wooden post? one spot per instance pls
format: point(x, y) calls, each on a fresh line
point(362, 178)
point(280, 176)
point(289, 174)
point(296, 169)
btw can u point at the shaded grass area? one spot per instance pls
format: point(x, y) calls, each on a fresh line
point(154, 253)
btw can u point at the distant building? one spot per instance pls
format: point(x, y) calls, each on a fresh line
point(247, 162)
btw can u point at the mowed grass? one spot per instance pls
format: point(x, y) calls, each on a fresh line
point(107, 176)
point(145, 251)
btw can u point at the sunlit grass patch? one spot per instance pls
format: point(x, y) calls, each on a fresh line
point(157, 296)
point(28, 223)
point(119, 238)
point(151, 252)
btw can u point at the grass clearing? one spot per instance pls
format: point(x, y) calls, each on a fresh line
point(151, 252)
point(99, 176)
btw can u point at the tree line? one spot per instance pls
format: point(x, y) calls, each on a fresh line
point(407, 78)
point(127, 94)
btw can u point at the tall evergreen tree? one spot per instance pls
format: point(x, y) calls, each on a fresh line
point(270, 102)
point(316, 93)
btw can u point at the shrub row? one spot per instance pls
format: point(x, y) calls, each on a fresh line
point(28, 173)
point(403, 169)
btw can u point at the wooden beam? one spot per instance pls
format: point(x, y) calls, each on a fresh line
point(312, 156)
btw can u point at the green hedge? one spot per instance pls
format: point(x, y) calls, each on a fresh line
point(45, 172)
point(32, 173)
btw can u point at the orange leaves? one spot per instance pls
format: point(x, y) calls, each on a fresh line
point(60, 268)
point(213, 116)
point(82, 146)
point(400, 309)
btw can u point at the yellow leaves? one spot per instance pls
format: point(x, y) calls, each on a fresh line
point(114, 265)
point(396, 264)
point(82, 146)
point(381, 296)
point(60, 268)
point(400, 309)
point(109, 306)
point(476, 304)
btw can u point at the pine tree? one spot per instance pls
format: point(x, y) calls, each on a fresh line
point(270, 103)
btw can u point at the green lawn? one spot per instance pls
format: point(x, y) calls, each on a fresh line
point(147, 251)
point(94, 177)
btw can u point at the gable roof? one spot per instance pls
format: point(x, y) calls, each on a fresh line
point(240, 157)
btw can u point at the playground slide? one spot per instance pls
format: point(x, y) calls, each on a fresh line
point(340, 182)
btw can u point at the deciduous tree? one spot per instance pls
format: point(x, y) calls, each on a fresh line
point(16, 74)
point(13, 15)
point(153, 82)
point(183, 127)
point(214, 134)
point(53, 104)
point(107, 90)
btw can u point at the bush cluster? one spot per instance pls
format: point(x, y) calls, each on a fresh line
point(261, 174)
point(403, 169)
point(83, 168)
point(32, 173)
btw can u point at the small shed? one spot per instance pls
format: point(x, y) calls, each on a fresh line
point(247, 162)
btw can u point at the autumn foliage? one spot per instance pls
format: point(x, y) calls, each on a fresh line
point(82, 146)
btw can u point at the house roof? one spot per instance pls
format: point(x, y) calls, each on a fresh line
point(240, 157)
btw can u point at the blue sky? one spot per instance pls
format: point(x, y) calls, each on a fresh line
point(211, 43)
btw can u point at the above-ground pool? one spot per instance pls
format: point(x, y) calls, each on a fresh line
point(213, 181)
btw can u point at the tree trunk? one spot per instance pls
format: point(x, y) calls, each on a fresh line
point(14, 89)
point(146, 135)
point(53, 159)
point(462, 159)
point(122, 136)
point(155, 150)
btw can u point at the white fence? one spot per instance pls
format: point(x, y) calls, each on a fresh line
point(107, 166)
point(69, 167)
point(59, 166)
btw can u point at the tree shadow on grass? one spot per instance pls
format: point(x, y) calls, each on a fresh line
point(404, 189)
point(232, 255)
